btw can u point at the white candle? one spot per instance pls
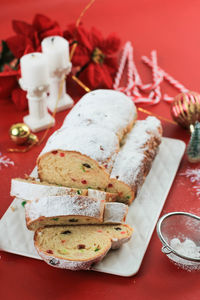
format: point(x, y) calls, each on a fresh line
point(56, 48)
point(34, 70)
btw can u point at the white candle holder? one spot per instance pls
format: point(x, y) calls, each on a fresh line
point(38, 118)
point(58, 98)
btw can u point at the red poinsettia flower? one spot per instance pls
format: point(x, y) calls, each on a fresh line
point(94, 55)
point(29, 36)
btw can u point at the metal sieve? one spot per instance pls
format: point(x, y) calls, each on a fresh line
point(181, 225)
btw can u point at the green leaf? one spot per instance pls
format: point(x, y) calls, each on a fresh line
point(6, 56)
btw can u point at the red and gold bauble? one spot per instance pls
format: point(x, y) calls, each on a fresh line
point(185, 109)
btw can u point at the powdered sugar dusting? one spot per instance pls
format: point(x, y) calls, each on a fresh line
point(115, 212)
point(34, 190)
point(94, 128)
point(194, 176)
point(128, 161)
point(64, 205)
point(95, 125)
point(197, 189)
point(97, 143)
point(103, 108)
point(97, 194)
point(54, 206)
point(188, 249)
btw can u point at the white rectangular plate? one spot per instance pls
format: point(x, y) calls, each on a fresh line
point(142, 216)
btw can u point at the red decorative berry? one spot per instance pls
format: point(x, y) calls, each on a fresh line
point(106, 166)
point(62, 154)
point(49, 251)
point(54, 152)
point(123, 232)
point(110, 185)
point(84, 181)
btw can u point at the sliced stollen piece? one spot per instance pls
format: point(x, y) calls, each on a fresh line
point(82, 152)
point(63, 210)
point(79, 247)
point(29, 189)
point(109, 109)
point(134, 160)
point(72, 210)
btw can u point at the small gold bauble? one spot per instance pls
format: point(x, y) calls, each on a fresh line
point(32, 139)
point(19, 133)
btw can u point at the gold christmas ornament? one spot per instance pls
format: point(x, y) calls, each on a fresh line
point(32, 139)
point(185, 109)
point(19, 133)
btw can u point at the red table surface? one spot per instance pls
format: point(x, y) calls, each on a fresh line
point(170, 27)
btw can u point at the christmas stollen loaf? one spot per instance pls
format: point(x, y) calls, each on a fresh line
point(32, 189)
point(72, 210)
point(79, 247)
point(82, 152)
point(92, 156)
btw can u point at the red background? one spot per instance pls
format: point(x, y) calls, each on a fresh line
point(170, 27)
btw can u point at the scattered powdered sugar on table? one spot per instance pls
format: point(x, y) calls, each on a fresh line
point(186, 248)
point(194, 175)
